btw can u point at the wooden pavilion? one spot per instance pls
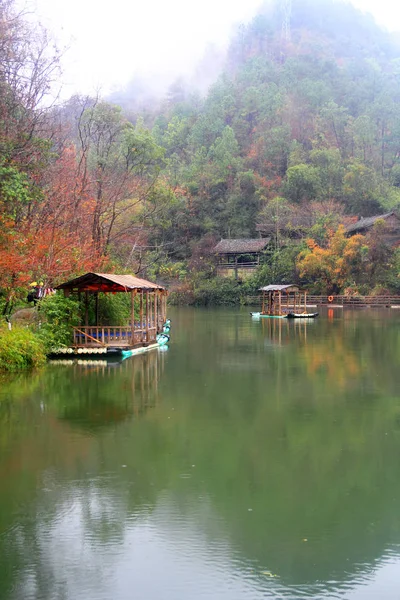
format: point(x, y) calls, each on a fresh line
point(239, 258)
point(148, 311)
point(280, 300)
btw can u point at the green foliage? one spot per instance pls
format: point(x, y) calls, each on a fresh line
point(172, 270)
point(393, 275)
point(59, 315)
point(302, 183)
point(14, 188)
point(361, 189)
point(114, 309)
point(279, 267)
point(218, 292)
point(20, 349)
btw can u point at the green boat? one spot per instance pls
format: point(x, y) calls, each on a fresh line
point(258, 315)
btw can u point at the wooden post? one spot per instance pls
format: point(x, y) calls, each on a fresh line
point(305, 302)
point(155, 310)
point(164, 308)
point(86, 308)
point(147, 316)
point(280, 303)
point(133, 294)
point(141, 316)
point(96, 298)
point(151, 312)
point(263, 303)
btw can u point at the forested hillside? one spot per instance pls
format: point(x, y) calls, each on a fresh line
point(299, 134)
point(311, 115)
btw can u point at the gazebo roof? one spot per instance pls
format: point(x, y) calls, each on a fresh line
point(241, 246)
point(108, 282)
point(279, 288)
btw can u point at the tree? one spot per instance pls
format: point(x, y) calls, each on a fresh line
point(361, 189)
point(336, 266)
point(302, 183)
point(122, 162)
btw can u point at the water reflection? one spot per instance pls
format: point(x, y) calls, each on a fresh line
point(101, 393)
point(252, 460)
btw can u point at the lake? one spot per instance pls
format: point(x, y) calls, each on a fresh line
point(248, 460)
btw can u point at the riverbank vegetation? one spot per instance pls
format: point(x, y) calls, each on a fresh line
point(297, 138)
point(20, 348)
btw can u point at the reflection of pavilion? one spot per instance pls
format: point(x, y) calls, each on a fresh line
point(284, 331)
point(107, 392)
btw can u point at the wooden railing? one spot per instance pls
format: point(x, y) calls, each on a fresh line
point(246, 265)
point(384, 301)
point(113, 336)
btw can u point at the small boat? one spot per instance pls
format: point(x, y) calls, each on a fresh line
point(301, 315)
point(258, 315)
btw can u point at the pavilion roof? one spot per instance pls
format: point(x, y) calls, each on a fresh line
point(108, 282)
point(241, 246)
point(366, 223)
point(279, 288)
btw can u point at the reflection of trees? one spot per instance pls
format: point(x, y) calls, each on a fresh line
point(310, 453)
point(34, 441)
point(99, 396)
point(314, 456)
point(14, 389)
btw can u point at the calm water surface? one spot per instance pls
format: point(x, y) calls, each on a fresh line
point(249, 460)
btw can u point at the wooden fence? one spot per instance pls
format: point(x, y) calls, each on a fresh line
point(383, 301)
point(113, 336)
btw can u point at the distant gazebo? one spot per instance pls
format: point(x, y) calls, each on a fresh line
point(148, 311)
point(280, 300)
point(239, 258)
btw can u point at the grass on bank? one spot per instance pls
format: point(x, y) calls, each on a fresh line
point(20, 349)
point(27, 345)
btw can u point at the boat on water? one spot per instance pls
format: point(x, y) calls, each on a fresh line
point(259, 315)
point(283, 302)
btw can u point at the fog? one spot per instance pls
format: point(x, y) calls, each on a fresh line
point(127, 48)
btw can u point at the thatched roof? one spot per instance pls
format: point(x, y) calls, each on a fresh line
point(279, 288)
point(108, 282)
point(366, 223)
point(241, 246)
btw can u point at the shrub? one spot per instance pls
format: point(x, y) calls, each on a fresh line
point(218, 292)
point(182, 295)
point(20, 348)
point(379, 290)
point(114, 309)
point(58, 316)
